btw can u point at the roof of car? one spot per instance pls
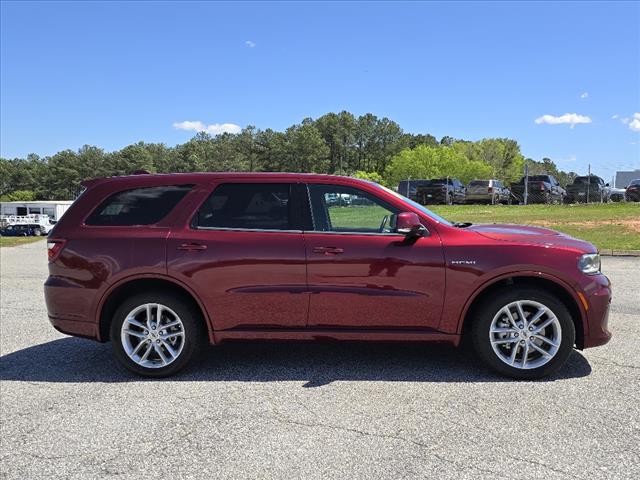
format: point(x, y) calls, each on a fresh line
point(204, 176)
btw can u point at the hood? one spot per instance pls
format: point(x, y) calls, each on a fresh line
point(532, 235)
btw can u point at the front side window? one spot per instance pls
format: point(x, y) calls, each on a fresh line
point(140, 206)
point(346, 209)
point(251, 206)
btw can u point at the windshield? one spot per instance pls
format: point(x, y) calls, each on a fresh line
point(538, 178)
point(479, 183)
point(585, 180)
point(635, 182)
point(416, 205)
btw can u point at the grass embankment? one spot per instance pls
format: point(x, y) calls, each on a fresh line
point(14, 241)
point(613, 226)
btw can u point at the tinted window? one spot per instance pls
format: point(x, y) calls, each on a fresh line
point(585, 180)
point(479, 183)
point(539, 178)
point(263, 206)
point(439, 181)
point(345, 209)
point(141, 206)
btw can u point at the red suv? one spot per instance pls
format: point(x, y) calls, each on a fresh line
point(162, 264)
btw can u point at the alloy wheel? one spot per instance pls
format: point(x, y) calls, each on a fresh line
point(525, 334)
point(152, 335)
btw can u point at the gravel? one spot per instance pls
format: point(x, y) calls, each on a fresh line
point(310, 410)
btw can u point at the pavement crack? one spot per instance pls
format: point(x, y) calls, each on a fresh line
point(385, 436)
point(617, 364)
point(546, 466)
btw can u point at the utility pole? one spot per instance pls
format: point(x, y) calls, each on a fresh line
point(588, 182)
point(526, 183)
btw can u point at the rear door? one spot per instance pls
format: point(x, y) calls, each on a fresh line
point(243, 253)
point(361, 273)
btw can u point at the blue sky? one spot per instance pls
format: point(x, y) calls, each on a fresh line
point(110, 74)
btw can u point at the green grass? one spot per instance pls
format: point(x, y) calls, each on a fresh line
point(613, 226)
point(357, 217)
point(14, 241)
point(608, 226)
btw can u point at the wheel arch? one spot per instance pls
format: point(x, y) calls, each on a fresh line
point(128, 286)
point(551, 284)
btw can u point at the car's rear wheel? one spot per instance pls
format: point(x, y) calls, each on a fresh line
point(156, 334)
point(523, 333)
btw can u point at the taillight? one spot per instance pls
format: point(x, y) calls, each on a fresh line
point(490, 190)
point(542, 187)
point(54, 247)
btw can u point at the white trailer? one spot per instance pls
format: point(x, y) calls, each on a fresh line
point(54, 209)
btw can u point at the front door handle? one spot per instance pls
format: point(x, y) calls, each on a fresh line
point(192, 246)
point(328, 250)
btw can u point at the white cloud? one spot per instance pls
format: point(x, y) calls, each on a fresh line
point(569, 159)
point(571, 118)
point(634, 125)
point(613, 117)
point(584, 95)
point(250, 44)
point(213, 129)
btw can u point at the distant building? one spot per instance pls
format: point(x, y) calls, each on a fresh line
point(54, 208)
point(623, 179)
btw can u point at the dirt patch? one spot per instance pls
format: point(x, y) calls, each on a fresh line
point(627, 224)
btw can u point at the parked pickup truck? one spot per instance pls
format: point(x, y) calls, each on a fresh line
point(591, 186)
point(441, 190)
point(408, 188)
point(541, 189)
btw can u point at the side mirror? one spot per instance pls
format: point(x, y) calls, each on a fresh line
point(408, 224)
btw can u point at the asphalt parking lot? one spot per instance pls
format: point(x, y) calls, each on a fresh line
point(310, 411)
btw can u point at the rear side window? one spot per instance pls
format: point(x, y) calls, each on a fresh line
point(252, 206)
point(140, 206)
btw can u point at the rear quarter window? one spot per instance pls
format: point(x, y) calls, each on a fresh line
point(248, 206)
point(139, 206)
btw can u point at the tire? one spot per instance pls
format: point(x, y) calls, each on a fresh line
point(496, 348)
point(168, 353)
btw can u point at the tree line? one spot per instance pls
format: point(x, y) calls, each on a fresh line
point(337, 143)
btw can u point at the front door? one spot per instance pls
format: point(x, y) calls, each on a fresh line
point(361, 273)
point(244, 256)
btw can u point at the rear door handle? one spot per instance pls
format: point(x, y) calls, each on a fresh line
point(328, 250)
point(192, 246)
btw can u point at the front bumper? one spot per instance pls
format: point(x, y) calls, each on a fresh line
point(598, 297)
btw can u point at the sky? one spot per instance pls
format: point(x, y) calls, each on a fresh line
point(563, 79)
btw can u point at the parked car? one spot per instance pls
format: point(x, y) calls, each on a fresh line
point(632, 192)
point(587, 189)
point(334, 199)
point(540, 189)
point(23, 230)
point(617, 194)
point(487, 191)
point(441, 190)
point(408, 188)
point(162, 265)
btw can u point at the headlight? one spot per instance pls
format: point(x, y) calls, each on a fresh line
point(589, 263)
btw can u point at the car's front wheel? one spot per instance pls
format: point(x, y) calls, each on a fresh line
point(523, 333)
point(156, 334)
